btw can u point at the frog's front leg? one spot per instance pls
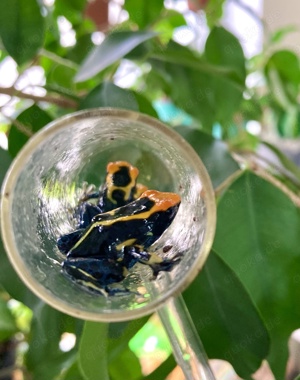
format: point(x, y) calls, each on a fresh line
point(85, 211)
point(88, 192)
point(84, 214)
point(66, 242)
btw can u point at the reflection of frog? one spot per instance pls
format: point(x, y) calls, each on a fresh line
point(112, 242)
point(120, 188)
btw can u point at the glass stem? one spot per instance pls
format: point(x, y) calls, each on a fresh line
point(187, 346)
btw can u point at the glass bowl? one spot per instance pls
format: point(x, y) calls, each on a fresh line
point(42, 188)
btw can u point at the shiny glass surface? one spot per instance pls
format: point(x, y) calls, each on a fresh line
point(44, 183)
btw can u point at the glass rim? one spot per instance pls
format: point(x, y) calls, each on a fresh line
point(8, 237)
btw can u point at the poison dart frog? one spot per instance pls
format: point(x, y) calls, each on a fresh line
point(120, 188)
point(102, 253)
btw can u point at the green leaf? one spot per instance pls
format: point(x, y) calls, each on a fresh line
point(287, 64)
point(93, 351)
point(10, 281)
point(195, 84)
point(21, 28)
point(143, 14)
point(283, 75)
point(123, 363)
point(144, 105)
point(156, 83)
point(214, 11)
point(5, 160)
point(125, 366)
point(163, 370)
point(223, 49)
point(69, 7)
point(226, 318)
point(278, 94)
point(177, 54)
point(120, 333)
point(191, 91)
point(114, 47)
point(166, 25)
point(108, 94)
point(66, 92)
point(33, 119)
point(244, 140)
point(214, 154)
point(279, 34)
point(44, 359)
point(72, 373)
point(258, 237)
point(62, 76)
point(50, 369)
point(251, 109)
point(7, 322)
point(71, 10)
point(83, 46)
point(288, 121)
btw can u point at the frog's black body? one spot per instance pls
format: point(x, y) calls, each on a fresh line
point(140, 221)
point(108, 244)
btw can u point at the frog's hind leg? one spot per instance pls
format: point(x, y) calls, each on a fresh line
point(166, 265)
point(159, 264)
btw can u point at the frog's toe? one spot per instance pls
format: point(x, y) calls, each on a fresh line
point(164, 266)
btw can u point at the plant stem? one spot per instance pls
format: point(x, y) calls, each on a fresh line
point(227, 182)
point(57, 100)
point(256, 156)
point(270, 178)
point(56, 58)
point(20, 126)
